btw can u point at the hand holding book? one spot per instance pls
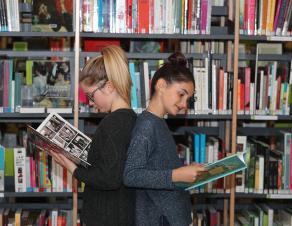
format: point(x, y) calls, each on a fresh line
point(61, 140)
point(221, 168)
point(64, 161)
point(188, 173)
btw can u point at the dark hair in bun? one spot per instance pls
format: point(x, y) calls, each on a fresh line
point(175, 70)
point(177, 59)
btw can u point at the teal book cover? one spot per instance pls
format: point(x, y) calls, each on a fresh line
point(222, 168)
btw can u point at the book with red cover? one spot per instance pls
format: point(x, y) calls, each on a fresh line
point(95, 45)
point(143, 16)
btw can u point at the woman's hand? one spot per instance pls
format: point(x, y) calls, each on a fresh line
point(187, 173)
point(64, 161)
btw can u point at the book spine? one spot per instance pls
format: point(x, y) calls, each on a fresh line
point(94, 14)
point(196, 147)
point(202, 148)
point(134, 100)
point(121, 17)
point(251, 17)
point(143, 16)
point(2, 161)
point(20, 172)
point(129, 18)
point(277, 14)
point(204, 10)
point(247, 91)
point(28, 174)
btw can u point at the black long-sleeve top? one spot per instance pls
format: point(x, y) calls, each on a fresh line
point(106, 201)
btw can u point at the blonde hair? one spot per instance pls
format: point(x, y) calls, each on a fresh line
point(111, 66)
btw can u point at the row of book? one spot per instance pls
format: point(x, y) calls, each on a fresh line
point(202, 47)
point(270, 17)
point(35, 85)
point(213, 87)
point(45, 84)
point(268, 170)
point(9, 19)
point(269, 93)
point(264, 86)
point(131, 16)
point(21, 217)
point(268, 167)
point(34, 171)
point(258, 214)
point(45, 16)
point(140, 16)
point(257, 17)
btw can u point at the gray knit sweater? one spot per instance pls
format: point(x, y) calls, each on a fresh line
point(151, 158)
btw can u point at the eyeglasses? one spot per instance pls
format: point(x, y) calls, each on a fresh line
point(100, 85)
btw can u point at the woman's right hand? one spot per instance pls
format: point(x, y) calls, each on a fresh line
point(187, 173)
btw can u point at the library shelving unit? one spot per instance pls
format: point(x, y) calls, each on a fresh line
point(276, 200)
point(34, 201)
point(227, 123)
point(77, 60)
point(227, 128)
point(217, 34)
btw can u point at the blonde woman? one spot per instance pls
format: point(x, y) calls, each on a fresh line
point(107, 84)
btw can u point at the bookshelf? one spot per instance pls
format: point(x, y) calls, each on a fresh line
point(229, 33)
point(275, 201)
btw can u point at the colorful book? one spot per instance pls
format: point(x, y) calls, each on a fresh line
point(219, 169)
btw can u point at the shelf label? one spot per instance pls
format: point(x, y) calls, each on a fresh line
point(279, 196)
point(264, 117)
point(280, 38)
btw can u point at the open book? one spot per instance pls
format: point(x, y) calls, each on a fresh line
point(221, 168)
point(55, 134)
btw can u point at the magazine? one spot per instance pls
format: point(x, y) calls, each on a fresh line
point(216, 170)
point(57, 135)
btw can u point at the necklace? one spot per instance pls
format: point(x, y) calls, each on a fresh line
point(147, 109)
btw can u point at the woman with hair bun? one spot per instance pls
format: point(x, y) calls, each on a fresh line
point(152, 163)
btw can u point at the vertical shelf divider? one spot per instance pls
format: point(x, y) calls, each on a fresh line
point(76, 106)
point(234, 109)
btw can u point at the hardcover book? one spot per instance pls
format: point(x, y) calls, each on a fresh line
point(219, 169)
point(55, 134)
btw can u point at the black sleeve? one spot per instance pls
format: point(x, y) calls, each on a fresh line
point(107, 170)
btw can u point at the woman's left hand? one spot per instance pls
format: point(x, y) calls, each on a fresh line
point(64, 161)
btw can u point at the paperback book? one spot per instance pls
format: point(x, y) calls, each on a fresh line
point(55, 134)
point(221, 168)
